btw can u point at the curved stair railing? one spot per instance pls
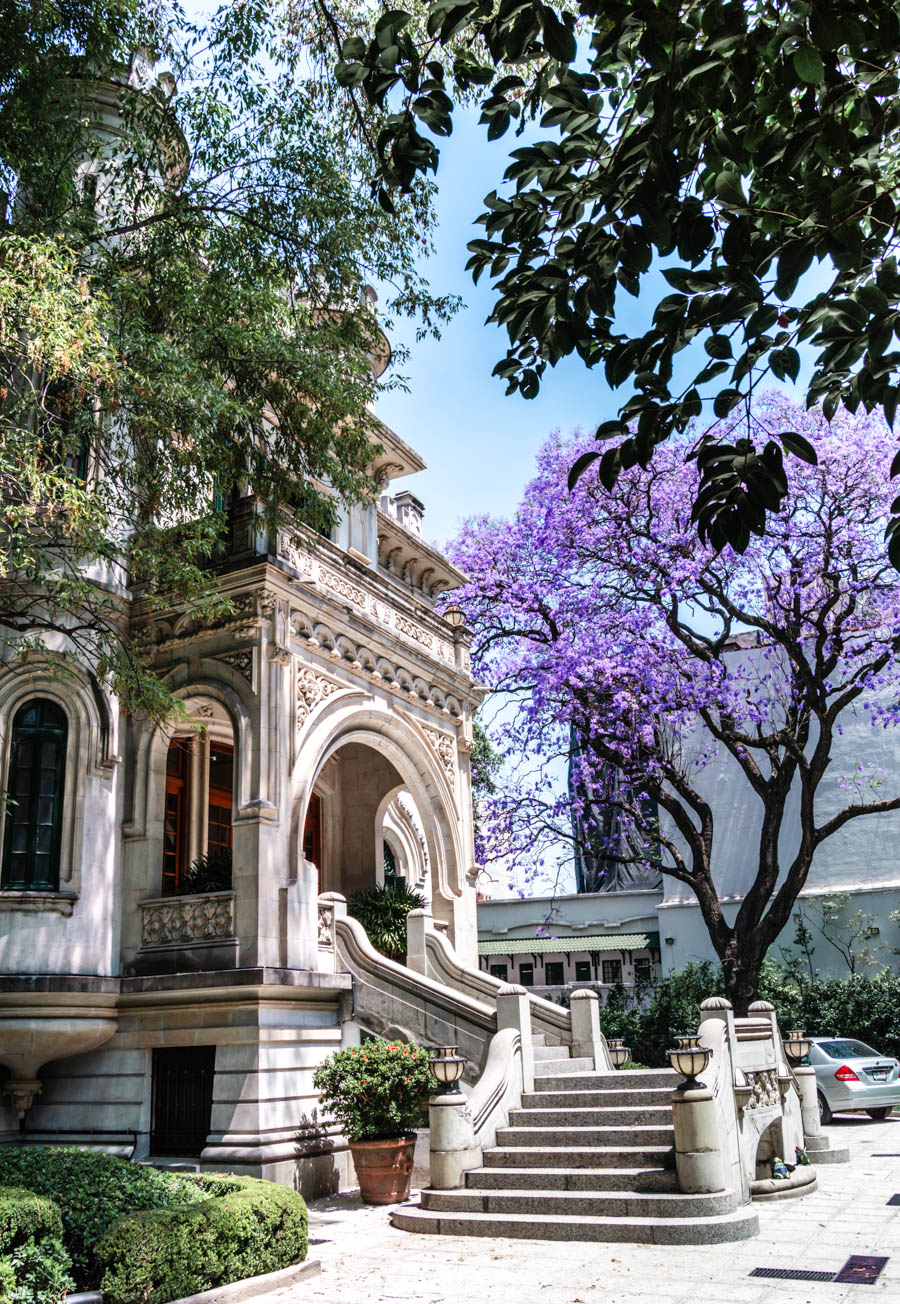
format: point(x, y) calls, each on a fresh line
point(430, 953)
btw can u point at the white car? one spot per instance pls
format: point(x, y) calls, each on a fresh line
point(852, 1076)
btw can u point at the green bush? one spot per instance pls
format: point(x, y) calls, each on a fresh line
point(34, 1266)
point(382, 912)
point(376, 1091)
point(856, 1006)
point(92, 1191)
point(241, 1228)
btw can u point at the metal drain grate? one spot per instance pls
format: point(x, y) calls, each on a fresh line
point(793, 1274)
point(861, 1270)
point(885, 1154)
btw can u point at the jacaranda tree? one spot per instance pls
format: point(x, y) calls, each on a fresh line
point(602, 619)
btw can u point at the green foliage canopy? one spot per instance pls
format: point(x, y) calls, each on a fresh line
point(730, 146)
point(184, 311)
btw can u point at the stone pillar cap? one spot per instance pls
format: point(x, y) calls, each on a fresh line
point(716, 1003)
point(762, 1006)
point(584, 994)
point(512, 989)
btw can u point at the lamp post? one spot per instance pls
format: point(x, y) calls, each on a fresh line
point(454, 615)
point(689, 1059)
point(448, 1068)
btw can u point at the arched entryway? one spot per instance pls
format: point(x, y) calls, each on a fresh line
point(377, 784)
point(343, 833)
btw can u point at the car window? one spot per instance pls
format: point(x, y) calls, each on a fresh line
point(847, 1048)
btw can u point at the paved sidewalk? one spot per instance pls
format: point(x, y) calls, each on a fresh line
point(365, 1261)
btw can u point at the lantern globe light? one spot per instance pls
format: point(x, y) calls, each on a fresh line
point(454, 615)
point(618, 1051)
point(689, 1059)
point(796, 1045)
point(447, 1066)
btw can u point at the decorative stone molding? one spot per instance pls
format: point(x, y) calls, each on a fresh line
point(160, 635)
point(312, 689)
point(37, 903)
point(172, 921)
point(362, 660)
point(241, 662)
point(764, 1093)
point(445, 747)
point(326, 925)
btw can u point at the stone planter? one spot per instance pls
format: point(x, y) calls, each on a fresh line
point(384, 1169)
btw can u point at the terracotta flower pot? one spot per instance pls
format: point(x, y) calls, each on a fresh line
point(384, 1169)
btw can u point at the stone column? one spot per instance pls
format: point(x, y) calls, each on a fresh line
point(453, 1147)
point(587, 1039)
point(514, 1011)
point(698, 1154)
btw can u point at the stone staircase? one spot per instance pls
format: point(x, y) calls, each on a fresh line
point(588, 1157)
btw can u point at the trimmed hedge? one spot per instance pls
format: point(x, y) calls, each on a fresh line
point(34, 1266)
point(244, 1227)
point(92, 1191)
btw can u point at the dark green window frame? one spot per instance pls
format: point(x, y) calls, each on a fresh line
point(32, 826)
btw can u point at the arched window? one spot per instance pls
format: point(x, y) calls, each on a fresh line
point(35, 792)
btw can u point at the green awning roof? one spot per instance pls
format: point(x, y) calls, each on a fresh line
point(570, 945)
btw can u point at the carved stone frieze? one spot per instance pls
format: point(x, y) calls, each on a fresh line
point(361, 659)
point(241, 661)
point(445, 747)
point(188, 919)
point(311, 690)
point(764, 1092)
point(326, 925)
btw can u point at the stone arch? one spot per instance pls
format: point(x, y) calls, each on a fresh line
point(359, 718)
point(90, 743)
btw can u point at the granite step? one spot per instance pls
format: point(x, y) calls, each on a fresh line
point(586, 1079)
point(594, 1204)
point(562, 1067)
point(653, 1096)
point(606, 1116)
point(734, 1226)
point(558, 1137)
point(634, 1180)
point(543, 1156)
point(544, 1052)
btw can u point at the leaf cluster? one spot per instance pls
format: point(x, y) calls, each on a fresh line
point(747, 153)
point(376, 1091)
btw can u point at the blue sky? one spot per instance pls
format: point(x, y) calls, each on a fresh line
point(480, 445)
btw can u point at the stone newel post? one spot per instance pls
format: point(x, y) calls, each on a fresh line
point(587, 1039)
point(805, 1077)
point(418, 924)
point(453, 1143)
point(514, 1011)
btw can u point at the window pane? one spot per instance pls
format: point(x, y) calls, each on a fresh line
point(37, 768)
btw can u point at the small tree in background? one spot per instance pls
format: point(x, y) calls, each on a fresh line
point(600, 610)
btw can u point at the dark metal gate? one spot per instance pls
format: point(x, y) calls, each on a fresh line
point(182, 1099)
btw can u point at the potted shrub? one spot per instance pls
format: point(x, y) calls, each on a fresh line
point(376, 1092)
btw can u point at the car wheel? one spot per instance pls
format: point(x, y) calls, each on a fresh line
point(881, 1112)
point(824, 1111)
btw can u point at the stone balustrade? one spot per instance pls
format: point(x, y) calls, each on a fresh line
point(187, 920)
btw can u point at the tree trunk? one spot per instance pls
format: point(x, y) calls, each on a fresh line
point(740, 969)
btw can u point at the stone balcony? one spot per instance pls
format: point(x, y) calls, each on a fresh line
point(182, 934)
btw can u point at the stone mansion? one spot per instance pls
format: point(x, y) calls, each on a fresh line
point(327, 732)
